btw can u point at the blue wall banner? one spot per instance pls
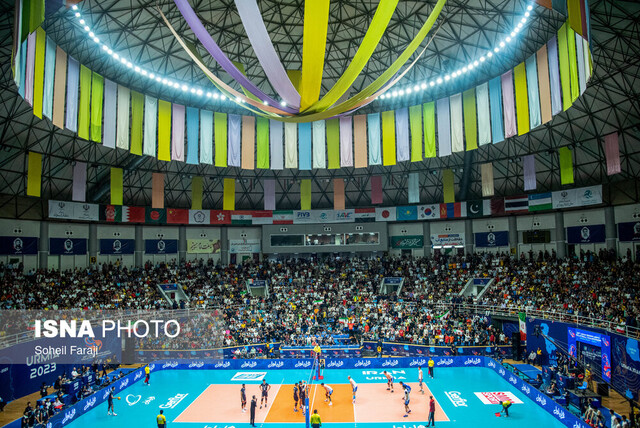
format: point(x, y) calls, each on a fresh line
point(18, 245)
point(586, 234)
point(117, 246)
point(161, 246)
point(67, 246)
point(628, 232)
point(492, 239)
point(598, 340)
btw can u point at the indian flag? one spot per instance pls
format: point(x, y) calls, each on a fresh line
point(522, 321)
point(241, 217)
point(540, 202)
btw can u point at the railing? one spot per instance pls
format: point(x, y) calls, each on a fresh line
point(577, 320)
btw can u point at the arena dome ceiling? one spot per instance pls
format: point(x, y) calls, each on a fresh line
point(466, 29)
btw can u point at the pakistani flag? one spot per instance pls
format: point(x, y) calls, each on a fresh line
point(474, 209)
point(522, 318)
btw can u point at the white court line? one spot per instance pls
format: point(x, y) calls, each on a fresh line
point(185, 409)
point(272, 401)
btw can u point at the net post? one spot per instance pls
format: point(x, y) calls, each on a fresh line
point(307, 416)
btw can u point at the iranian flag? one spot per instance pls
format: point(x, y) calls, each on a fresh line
point(522, 318)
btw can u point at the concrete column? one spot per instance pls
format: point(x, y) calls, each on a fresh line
point(468, 236)
point(610, 228)
point(560, 236)
point(513, 233)
point(93, 242)
point(182, 243)
point(139, 253)
point(224, 246)
point(43, 245)
point(426, 233)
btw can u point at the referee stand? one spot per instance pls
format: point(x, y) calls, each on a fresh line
point(317, 353)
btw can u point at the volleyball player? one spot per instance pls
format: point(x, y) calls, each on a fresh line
point(303, 394)
point(295, 397)
point(264, 387)
point(389, 381)
point(354, 387)
point(327, 393)
point(407, 391)
point(420, 379)
point(243, 398)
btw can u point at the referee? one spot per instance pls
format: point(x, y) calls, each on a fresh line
point(315, 419)
point(162, 421)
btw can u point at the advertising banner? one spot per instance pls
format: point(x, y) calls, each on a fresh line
point(629, 232)
point(447, 240)
point(18, 245)
point(244, 246)
point(161, 246)
point(74, 210)
point(203, 246)
point(586, 234)
point(582, 197)
point(407, 242)
point(492, 239)
point(67, 246)
point(117, 246)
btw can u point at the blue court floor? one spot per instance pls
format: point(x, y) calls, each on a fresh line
point(465, 395)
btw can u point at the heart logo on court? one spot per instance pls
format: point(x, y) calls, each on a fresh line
point(133, 399)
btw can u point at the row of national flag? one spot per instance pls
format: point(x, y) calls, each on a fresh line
point(572, 198)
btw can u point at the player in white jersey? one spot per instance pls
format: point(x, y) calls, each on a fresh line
point(354, 387)
point(420, 378)
point(327, 393)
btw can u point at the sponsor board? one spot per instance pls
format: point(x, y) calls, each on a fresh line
point(497, 397)
point(248, 376)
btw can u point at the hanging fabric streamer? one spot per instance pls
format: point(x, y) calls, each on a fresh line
point(220, 139)
point(234, 130)
point(304, 150)
point(177, 132)
point(566, 165)
point(73, 77)
point(123, 115)
point(116, 186)
point(269, 194)
point(59, 88)
point(414, 188)
point(415, 123)
point(164, 130)
point(206, 137)
point(137, 120)
point(262, 143)
point(429, 115)
point(34, 174)
point(109, 117)
point(193, 128)
point(544, 84)
point(573, 65)
point(314, 40)
point(447, 186)
point(196, 193)
point(333, 143)
point(346, 142)
point(360, 140)
point(495, 98)
point(150, 126)
point(38, 72)
point(30, 70)
point(97, 95)
point(470, 121)
point(275, 142)
point(457, 136)
point(229, 194)
point(486, 171)
point(484, 114)
point(84, 106)
point(508, 101)
point(522, 98)
point(376, 189)
point(79, 186)
point(533, 92)
point(157, 190)
point(248, 142)
point(338, 194)
point(612, 152)
point(402, 135)
point(565, 75)
point(319, 145)
point(529, 170)
point(374, 134)
point(388, 138)
point(554, 76)
point(305, 194)
point(290, 145)
point(444, 127)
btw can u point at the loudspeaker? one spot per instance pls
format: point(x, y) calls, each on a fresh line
point(602, 388)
